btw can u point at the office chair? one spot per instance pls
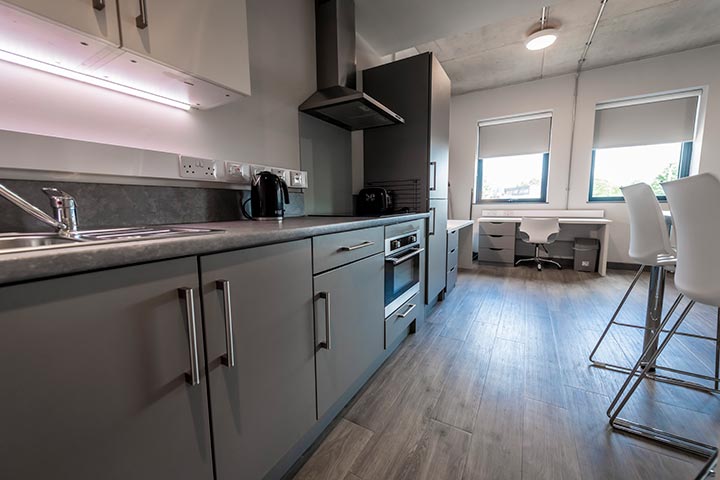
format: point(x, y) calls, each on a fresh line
point(696, 218)
point(539, 232)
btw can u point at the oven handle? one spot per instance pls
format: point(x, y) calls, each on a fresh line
point(398, 261)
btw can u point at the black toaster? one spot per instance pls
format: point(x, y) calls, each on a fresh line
point(374, 201)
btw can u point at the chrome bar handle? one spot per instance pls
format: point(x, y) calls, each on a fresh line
point(327, 343)
point(433, 165)
point(433, 212)
point(188, 295)
point(407, 312)
point(141, 20)
point(229, 357)
point(99, 5)
point(398, 261)
point(357, 247)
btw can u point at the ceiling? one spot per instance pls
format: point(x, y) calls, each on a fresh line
point(492, 53)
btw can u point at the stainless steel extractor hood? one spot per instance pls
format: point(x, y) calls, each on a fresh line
point(336, 100)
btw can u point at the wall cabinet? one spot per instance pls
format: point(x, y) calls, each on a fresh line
point(258, 308)
point(95, 376)
point(349, 321)
point(95, 17)
point(208, 40)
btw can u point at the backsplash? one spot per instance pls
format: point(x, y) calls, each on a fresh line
point(108, 205)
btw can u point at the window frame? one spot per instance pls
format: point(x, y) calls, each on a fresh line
point(684, 164)
point(478, 200)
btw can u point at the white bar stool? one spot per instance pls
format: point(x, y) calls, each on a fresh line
point(650, 247)
point(694, 204)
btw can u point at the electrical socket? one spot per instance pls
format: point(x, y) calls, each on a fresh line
point(198, 168)
point(298, 179)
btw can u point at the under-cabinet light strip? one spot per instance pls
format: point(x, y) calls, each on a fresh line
point(81, 77)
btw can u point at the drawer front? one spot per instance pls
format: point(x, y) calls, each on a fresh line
point(452, 240)
point(496, 241)
point(496, 255)
point(452, 260)
point(451, 278)
point(497, 228)
point(403, 228)
point(337, 249)
point(397, 323)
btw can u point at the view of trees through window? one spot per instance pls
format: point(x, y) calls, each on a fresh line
point(618, 167)
point(516, 177)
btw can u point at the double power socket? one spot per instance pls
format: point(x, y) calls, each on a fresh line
point(204, 169)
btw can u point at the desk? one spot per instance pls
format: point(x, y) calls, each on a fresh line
point(464, 247)
point(601, 223)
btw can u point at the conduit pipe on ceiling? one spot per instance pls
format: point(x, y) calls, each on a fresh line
point(581, 61)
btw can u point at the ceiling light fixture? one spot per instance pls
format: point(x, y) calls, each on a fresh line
point(81, 77)
point(544, 36)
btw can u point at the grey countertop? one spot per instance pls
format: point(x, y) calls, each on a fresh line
point(16, 267)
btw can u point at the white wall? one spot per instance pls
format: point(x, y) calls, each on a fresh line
point(691, 69)
point(260, 129)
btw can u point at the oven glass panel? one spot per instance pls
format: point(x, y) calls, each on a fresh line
point(400, 278)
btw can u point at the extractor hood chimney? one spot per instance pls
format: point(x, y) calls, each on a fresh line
point(336, 100)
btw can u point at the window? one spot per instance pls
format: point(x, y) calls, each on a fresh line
point(513, 159)
point(649, 142)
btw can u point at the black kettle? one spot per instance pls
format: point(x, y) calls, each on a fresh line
point(268, 197)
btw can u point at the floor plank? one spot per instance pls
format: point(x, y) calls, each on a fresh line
point(337, 453)
point(440, 453)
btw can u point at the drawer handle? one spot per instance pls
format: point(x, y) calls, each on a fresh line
point(99, 5)
point(326, 344)
point(452, 269)
point(141, 20)
point(494, 249)
point(452, 251)
point(497, 223)
point(188, 296)
point(229, 357)
point(453, 232)
point(494, 236)
point(411, 307)
point(357, 247)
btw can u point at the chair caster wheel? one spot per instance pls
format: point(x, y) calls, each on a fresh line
point(539, 267)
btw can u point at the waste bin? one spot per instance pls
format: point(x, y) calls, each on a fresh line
point(586, 254)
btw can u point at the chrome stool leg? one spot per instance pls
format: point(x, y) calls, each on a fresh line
point(612, 320)
point(708, 470)
point(621, 399)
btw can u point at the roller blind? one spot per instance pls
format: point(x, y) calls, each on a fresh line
point(514, 137)
point(651, 123)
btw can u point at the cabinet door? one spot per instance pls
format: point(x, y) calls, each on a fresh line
point(95, 17)
point(207, 39)
point(350, 301)
point(263, 404)
point(439, 130)
point(94, 370)
point(436, 249)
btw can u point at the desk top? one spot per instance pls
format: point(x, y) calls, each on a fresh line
point(576, 221)
point(458, 224)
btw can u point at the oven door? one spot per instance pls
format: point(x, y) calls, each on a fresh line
point(402, 278)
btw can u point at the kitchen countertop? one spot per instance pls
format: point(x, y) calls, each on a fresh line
point(16, 267)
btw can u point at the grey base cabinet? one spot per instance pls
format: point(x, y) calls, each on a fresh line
point(94, 372)
point(436, 251)
point(260, 301)
point(349, 320)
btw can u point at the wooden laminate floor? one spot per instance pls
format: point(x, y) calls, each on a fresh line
point(497, 386)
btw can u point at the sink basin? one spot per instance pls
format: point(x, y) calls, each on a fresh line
point(24, 242)
point(17, 243)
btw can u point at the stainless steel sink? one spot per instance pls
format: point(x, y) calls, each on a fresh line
point(24, 242)
point(31, 242)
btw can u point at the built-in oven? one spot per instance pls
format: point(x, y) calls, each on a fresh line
point(402, 269)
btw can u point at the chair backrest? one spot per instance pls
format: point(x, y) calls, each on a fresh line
point(539, 230)
point(695, 206)
point(649, 235)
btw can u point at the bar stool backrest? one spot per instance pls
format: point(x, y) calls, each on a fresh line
point(649, 236)
point(695, 206)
